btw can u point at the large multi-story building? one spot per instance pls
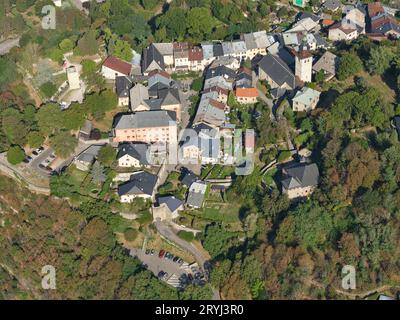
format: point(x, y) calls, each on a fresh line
point(147, 126)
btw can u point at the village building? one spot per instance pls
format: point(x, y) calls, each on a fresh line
point(140, 185)
point(256, 43)
point(196, 195)
point(276, 73)
point(196, 59)
point(343, 31)
point(73, 78)
point(148, 127)
point(332, 5)
point(216, 93)
point(246, 95)
point(168, 208)
point(303, 64)
point(134, 155)
point(181, 56)
point(355, 14)
point(328, 64)
point(299, 180)
point(113, 67)
point(152, 59)
point(306, 99)
point(122, 86)
point(87, 157)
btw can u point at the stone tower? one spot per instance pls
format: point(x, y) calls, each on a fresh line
point(303, 64)
point(73, 78)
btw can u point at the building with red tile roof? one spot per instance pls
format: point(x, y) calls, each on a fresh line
point(113, 67)
point(246, 95)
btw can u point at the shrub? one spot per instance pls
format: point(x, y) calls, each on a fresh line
point(48, 89)
point(284, 155)
point(15, 155)
point(186, 235)
point(130, 234)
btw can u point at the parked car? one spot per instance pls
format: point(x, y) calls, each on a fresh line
point(197, 275)
point(35, 153)
point(27, 159)
point(167, 255)
point(52, 156)
point(175, 259)
point(161, 254)
point(144, 265)
point(39, 150)
point(42, 166)
point(147, 251)
point(152, 252)
point(190, 277)
point(165, 275)
point(161, 274)
point(180, 261)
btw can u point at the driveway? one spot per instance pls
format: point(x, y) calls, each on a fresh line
point(166, 231)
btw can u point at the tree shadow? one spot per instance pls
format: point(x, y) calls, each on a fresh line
point(327, 98)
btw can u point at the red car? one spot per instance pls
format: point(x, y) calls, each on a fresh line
point(161, 254)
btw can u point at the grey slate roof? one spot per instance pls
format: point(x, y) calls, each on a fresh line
point(149, 119)
point(188, 177)
point(387, 27)
point(278, 70)
point(217, 50)
point(169, 96)
point(222, 71)
point(321, 42)
point(139, 183)
point(171, 202)
point(300, 175)
point(332, 4)
point(151, 56)
point(135, 150)
point(122, 86)
point(90, 154)
point(305, 14)
point(243, 80)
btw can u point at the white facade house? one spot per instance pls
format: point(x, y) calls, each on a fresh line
point(305, 99)
point(342, 32)
point(114, 67)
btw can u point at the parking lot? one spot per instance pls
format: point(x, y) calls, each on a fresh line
point(41, 161)
point(177, 274)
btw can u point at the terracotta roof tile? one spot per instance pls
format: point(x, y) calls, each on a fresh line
point(118, 65)
point(246, 92)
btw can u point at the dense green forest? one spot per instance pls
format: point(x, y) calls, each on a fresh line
point(38, 231)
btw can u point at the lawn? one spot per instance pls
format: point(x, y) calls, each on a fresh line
point(220, 172)
point(375, 81)
point(224, 212)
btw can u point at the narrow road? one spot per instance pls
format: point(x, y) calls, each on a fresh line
point(17, 174)
point(166, 232)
